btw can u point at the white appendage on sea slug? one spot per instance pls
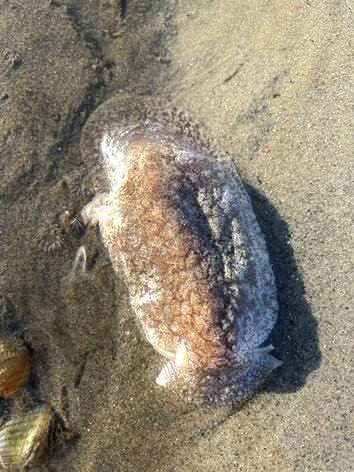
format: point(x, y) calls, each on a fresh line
point(172, 369)
point(101, 211)
point(79, 264)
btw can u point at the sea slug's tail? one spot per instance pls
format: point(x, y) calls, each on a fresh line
point(237, 384)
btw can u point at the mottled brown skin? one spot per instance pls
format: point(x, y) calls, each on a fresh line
point(179, 223)
point(156, 236)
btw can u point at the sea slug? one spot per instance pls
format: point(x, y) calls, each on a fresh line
point(177, 221)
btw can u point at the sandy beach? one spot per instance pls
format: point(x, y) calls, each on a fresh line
point(273, 82)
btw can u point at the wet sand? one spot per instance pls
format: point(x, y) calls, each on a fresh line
point(273, 81)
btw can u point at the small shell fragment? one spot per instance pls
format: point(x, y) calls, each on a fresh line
point(25, 437)
point(15, 367)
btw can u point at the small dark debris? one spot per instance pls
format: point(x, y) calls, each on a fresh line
point(65, 401)
point(163, 60)
point(74, 17)
point(55, 116)
point(92, 43)
point(81, 371)
point(123, 8)
point(233, 74)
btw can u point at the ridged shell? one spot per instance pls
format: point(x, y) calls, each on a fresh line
point(25, 437)
point(15, 367)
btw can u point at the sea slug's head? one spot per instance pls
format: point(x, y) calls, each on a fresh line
point(115, 159)
point(121, 147)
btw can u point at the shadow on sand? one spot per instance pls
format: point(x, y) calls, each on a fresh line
point(295, 334)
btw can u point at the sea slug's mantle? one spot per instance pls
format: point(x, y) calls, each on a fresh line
point(178, 222)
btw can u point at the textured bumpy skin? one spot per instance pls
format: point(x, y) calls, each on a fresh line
point(178, 222)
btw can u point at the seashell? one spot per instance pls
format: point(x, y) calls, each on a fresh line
point(178, 222)
point(25, 437)
point(15, 367)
